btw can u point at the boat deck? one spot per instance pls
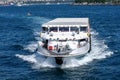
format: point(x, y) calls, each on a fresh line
point(77, 52)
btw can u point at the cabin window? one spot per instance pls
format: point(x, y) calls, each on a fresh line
point(74, 29)
point(54, 29)
point(83, 29)
point(44, 29)
point(64, 29)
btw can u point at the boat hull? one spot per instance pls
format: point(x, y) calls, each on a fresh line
point(59, 56)
point(59, 60)
point(71, 53)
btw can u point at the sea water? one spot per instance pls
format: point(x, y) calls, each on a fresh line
point(19, 34)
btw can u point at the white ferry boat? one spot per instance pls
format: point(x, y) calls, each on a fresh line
point(65, 37)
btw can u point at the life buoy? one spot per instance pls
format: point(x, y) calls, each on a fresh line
point(88, 34)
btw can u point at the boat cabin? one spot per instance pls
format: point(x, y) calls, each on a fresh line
point(66, 29)
point(66, 25)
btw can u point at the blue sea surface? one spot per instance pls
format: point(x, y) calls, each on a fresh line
point(19, 34)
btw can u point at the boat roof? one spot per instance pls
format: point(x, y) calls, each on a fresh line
point(67, 22)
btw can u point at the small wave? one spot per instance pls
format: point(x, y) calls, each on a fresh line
point(31, 47)
point(17, 46)
point(38, 60)
point(38, 20)
point(10, 15)
point(109, 37)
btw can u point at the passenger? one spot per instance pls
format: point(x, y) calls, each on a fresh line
point(83, 43)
